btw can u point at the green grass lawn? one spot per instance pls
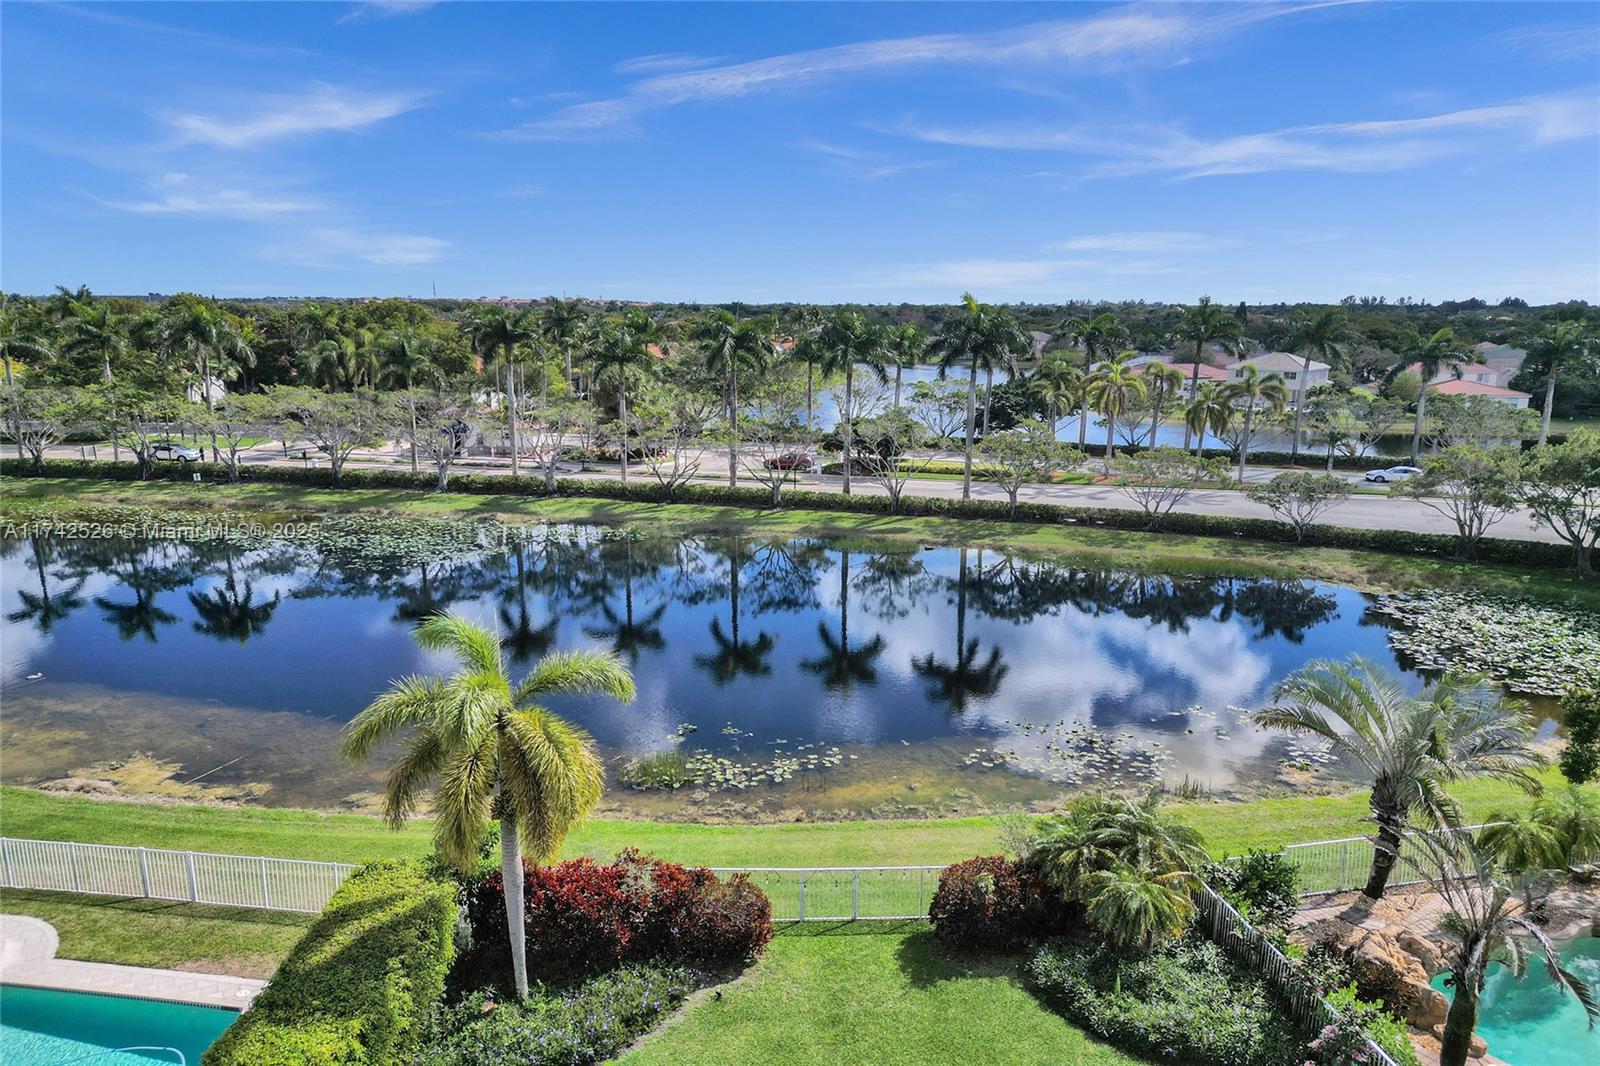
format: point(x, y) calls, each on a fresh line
point(834, 995)
point(1067, 545)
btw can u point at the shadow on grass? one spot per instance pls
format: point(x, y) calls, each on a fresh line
point(897, 927)
point(925, 963)
point(161, 908)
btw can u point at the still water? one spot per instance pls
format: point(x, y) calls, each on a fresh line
point(873, 673)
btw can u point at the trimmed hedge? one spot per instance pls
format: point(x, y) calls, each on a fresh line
point(361, 983)
point(994, 903)
point(1490, 549)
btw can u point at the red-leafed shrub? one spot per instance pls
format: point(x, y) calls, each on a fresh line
point(993, 903)
point(581, 916)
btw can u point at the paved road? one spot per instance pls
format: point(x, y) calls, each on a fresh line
point(1358, 512)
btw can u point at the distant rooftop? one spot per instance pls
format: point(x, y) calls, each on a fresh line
point(1278, 362)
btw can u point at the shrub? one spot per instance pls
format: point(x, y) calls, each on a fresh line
point(360, 984)
point(1344, 1041)
point(1187, 1002)
point(583, 1024)
point(1580, 759)
point(1263, 887)
point(582, 916)
point(993, 903)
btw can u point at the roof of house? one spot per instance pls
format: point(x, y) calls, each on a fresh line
point(1207, 371)
point(1453, 387)
point(1447, 374)
point(1489, 350)
point(1277, 362)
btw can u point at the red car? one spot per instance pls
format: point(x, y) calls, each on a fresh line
point(802, 461)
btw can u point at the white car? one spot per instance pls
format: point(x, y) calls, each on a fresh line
point(167, 451)
point(1393, 473)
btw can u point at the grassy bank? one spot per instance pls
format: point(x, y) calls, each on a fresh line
point(1071, 545)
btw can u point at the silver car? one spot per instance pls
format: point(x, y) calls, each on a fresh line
point(172, 452)
point(1392, 473)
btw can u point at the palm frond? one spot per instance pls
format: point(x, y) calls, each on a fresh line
point(552, 777)
point(575, 673)
point(461, 803)
point(425, 755)
point(476, 647)
point(408, 702)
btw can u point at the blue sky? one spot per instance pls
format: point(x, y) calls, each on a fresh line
point(827, 153)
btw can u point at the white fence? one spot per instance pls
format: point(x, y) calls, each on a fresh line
point(1342, 865)
point(188, 876)
point(844, 893)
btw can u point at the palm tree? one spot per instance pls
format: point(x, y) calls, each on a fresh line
point(1206, 323)
point(623, 352)
point(846, 342)
point(1325, 334)
point(1061, 385)
point(808, 350)
point(22, 336)
point(1209, 410)
point(1558, 348)
point(229, 613)
point(494, 750)
point(730, 345)
point(194, 326)
point(1100, 335)
point(328, 362)
point(1101, 833)
point(1412, 746)
point(1250, 391)
point(840, 665)
point(734, 656)
point(1485, 926)
point(1136, 908)
point(404, 356)
point(95, 328)
point(45, 609)
point(1164, 381)
point(1111, 389)
point(984, 338)
point(493, 331)
point(1430, 355)
point(563, 323)
point(906, 347)
point(964, 679)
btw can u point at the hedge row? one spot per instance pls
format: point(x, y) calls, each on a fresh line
point(360, 984)
point(1490, 549)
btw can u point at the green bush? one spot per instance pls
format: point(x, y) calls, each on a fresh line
point(1187, 1002)
point(1358, 1018)
point(1580, 759)
point(1490, 550)
point(361, 983)
point(585, 1023)
point(1263, 887)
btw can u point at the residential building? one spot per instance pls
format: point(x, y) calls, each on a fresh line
point(1503, 358)
point(1297, 378)
point(1208, 372)
point(1498, 393)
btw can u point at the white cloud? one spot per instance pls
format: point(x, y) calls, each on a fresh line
point(180, 194)
point(1368, 146)
point(663, 62)
point(1552, 41)
point(323, 108)
point(332, 246)
point(1139, 242)
point(366, 9)
point(1134, 33)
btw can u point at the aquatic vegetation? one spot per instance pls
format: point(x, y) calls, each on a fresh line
point(1538, 648)
point(658, 770)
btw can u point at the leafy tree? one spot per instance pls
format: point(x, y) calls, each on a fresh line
point(1325, 335)
point(495, 751)
point(237, 419)
point(1432, 354)
point(1376, 416)
point(131, 417)
point(847, 341)
point(1029, 453)
point(37, 418)
point(1478, 420)
point(545, 434)
point(1472, 487)
point(23, 337)
point(1206, 323)
point(775, 431)
point(937, 407)
point(1299, 498)
point(1580, 759)
point(673, 437)
point(1248, 394)
point(335, 423)
point(1560, 348)
point(436, 427)
point(888, 437)
point(1159, 479)
point(1460, 726)
point(1111, 389)
point(983, 338)
point(1561, 487)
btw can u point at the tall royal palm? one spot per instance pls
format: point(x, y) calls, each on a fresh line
point(1206, 323)
point(730, 345)
point(494, 331)
point(907, 347)
point(195, 329)
point(1431, 355)
point(94, 329)
point(22, 336)
point(563, 323)
point(1251, 393)
point(1111, 389)
point(1060, 384)
point(1412, 746)
point(848, 341)
point(622, 354)
point(1165, 382)
point(494, 751)
point(406, 356)
point(984, 338)
point(1209, 410)
point(1326, 335)
point(1560, 348)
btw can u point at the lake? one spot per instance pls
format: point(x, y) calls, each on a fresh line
point(797, 676)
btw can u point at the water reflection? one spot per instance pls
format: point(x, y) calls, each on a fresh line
point(745, 642)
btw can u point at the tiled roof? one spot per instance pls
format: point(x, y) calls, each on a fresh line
point(1454, 387)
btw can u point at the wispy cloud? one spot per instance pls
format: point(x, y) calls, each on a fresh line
point(181, 194)
point(323, 108)
point(1022, 272)
point(525, 192)
point(383, 9)
point(333, 246)
point(664, 62)
point(1137, 33)
point(1552, 41)
point(1378, 145)
point(1140, 242)
point(860, 163)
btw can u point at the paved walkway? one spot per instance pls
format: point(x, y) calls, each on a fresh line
point(27, 957)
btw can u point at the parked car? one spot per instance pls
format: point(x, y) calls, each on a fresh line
point(801, 461)
point(173, 452)
point(1392, 473)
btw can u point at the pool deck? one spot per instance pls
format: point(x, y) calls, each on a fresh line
point(27, 957)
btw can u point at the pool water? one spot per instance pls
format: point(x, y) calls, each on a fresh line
point(41, 1027)
point(1531, 1022)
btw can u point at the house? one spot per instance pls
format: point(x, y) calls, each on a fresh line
point(214, 387)
point(1503, 358)
point(1477, 373)
point(1297, 378)
point(1207, 373)
point(1461, 387)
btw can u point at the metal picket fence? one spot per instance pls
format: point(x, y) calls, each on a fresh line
point(154, 873)
point(844, 893)
point(1342, 865)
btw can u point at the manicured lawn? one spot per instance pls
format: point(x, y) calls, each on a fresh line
point(1075, 545)
point(829, 996)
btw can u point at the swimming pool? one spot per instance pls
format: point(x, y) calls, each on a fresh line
point(1533, 1023)
point(42, 1027)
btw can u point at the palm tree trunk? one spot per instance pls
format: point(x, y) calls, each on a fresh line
point(413, 409)
point(1416, 432)
point(1459, 1023)
point(988, 396)
point(1155, 410)
point(622, 418)
point(849, 382)
point(1384, 856)
point(1194, 390)
point(733, 426)
point(511, 879)
point(1549, 400)
point(1299, 407)
point(810, 367)
point(1083, 421)
point(898, 368)
point(1244, 443)
point(972, 401)
point(1111, 422)
point(511, 408)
